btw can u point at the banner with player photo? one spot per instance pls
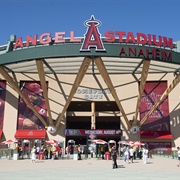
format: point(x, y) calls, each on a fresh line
point(2, 102)
point(159, 120)
point(26, 117)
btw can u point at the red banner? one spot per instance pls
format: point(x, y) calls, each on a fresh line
point(159, 120)
point(2, 102)
point(26, 117)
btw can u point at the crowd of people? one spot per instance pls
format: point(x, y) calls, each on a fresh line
point(127, 153)
point(40, 152)
point(130, 153)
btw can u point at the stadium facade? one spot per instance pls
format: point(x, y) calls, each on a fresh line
point(119, 85)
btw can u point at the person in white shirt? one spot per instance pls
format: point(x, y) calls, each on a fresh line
point(131, 154)
point(126, 155)
point(37, 150)
point(145, 155)
point(33, 154)
point(178, 153)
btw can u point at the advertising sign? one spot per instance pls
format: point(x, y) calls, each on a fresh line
point(2, 102)
point(26, 117)
point(159, 120)
point(95, 132)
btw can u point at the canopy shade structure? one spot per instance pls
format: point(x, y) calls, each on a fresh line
point(70, 65)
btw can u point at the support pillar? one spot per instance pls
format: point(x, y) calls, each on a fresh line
point(93, 117)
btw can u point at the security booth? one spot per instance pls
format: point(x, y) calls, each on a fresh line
point(26, 145)
point(91, 146)
point(61, 144)
point(111, 143)
point(24, 150)
point(72, 143)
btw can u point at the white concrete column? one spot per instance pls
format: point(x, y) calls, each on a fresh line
point(93, 117)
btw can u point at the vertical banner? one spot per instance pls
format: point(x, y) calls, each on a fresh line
point(2, 102)
point(159, 120)
point(26, 117)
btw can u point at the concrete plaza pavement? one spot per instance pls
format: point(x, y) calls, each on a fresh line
point(89, 169)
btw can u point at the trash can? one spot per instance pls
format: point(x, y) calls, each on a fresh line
point(75, 153)
point(41, 156)
point(15, 155)
point(107, 155)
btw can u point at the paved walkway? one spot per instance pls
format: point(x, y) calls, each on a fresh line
point(90, 169)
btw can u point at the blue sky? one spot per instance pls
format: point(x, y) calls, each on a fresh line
point(29, 17)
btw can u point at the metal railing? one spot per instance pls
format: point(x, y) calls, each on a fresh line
point(164, 153)
point(6, 153)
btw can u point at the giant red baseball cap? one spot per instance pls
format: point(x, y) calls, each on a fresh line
point(34, 88)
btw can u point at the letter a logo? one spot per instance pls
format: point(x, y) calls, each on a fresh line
point(92, 38)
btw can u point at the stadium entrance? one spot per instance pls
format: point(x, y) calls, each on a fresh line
point(92, 120)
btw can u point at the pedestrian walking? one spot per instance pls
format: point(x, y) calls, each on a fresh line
point(79, 152)
point(46, 153)
point(114, 157)
point(140, 152)
point(68, 151)
point(33, 154)
point(131, 154)
point(126, 154)
point(60, 152)
point(178, 153)
point(145, 155)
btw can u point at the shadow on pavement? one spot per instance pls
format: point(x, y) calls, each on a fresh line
point(39, 161)
point(121, 166)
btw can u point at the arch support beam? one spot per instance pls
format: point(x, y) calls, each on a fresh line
point(103, 71)
point(162, 98)
point(144, 75)
point(41, 73)
point(79, 78)
point(16, 88)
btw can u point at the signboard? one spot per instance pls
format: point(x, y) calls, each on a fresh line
point(154, 46)
point(92, 38)
point(99, 132)
point(93, 93)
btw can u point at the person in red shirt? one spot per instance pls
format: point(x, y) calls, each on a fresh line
point(27, 119)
